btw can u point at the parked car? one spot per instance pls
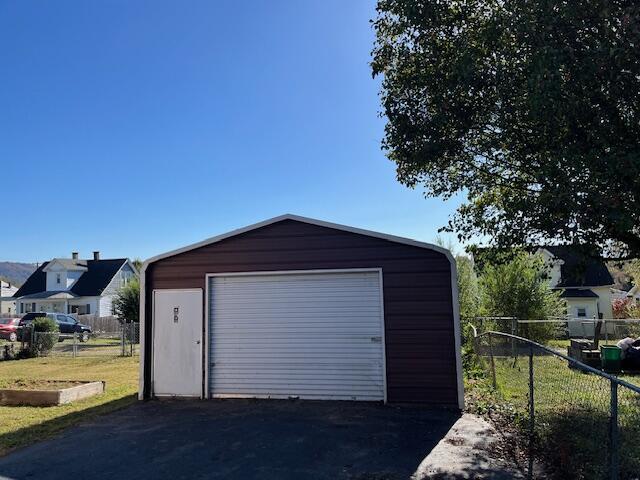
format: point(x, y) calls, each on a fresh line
point(9, 328)
point(66, 323)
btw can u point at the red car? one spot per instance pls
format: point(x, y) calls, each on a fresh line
point(8, 328)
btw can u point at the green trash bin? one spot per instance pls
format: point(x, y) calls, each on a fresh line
point(611, 358)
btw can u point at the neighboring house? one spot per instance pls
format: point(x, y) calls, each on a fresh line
point(72, 285)
point(634, 294)
point(585, 284)
point(617, 294)
point(7, 303)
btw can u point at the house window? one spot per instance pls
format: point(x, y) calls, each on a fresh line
point(582, 312)
point(58, 278)
point(88, 308)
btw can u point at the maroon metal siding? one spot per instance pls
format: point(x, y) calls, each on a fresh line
point(419, 320)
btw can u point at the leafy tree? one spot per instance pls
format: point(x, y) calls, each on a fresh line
point(528, 107)
point(520, 289)
point(632, 268)
point(468, 289)
point(137, 263)
point(126, 304)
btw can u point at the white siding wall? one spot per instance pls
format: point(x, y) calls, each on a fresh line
point(553, 266)
point(52, 276)
point(105, 306)
point(604, 301)
point(125, 274)
point(7, 305)
point(93, 303)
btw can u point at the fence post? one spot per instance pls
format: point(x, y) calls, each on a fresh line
point(532, 413)
point(514, 331)
point(493, 364)
point(613, 433)
point(75, 344)
point(122, 338)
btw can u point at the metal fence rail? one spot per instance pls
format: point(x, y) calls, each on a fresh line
point(582, 421)
point(122, 342)
point(611, 329)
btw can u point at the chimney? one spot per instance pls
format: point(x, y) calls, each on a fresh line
point(96, 255)
point(74, 255)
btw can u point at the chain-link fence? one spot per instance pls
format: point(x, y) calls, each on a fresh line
point(123, 341)
point(608, 330)
point(580, 421)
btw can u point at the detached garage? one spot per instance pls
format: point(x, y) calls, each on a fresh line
point(299, 308)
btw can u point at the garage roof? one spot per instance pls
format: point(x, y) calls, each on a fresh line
point(311, 221)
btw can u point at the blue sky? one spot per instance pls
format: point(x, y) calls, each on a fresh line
point(136, 127)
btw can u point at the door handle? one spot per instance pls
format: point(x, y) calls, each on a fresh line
point(197, 342)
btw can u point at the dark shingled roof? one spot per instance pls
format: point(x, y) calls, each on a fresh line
point(37, 282)
point(580, 270)
point(578, 293)
point(91, 283)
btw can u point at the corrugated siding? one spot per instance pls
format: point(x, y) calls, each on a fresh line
point(417, 294)
point(314, 336)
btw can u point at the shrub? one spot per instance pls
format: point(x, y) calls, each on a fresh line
point(8, 352)
point(45, 336)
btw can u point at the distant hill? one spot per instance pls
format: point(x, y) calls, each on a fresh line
point(16, 273)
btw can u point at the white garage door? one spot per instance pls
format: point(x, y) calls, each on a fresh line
point(310, 335)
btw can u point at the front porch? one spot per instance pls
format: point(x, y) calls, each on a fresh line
point(59, 302)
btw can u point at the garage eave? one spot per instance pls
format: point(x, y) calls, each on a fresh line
point(311, 221)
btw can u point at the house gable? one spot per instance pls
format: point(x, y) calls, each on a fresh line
point(89, 283)
point(570, 269)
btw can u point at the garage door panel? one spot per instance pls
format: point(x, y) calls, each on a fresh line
point(313, 335)
point(319, 330)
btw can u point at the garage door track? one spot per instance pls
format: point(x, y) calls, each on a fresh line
point(239, 439)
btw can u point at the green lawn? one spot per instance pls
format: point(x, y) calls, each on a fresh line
point(20, 426)
point(572, 413)
point(561, 346)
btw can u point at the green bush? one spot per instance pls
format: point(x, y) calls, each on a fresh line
point(520, 289)
point(45, 336)
point(126, 305)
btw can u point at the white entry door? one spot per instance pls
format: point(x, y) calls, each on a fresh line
point(177, 343)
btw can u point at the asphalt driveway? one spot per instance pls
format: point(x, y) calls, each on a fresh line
point(239, 439)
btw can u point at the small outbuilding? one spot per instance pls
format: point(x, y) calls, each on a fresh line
point(299, 308)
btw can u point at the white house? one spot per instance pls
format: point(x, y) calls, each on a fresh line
point(633, 294)
point(7, 303)
point(617, 294)
point(585, 284)
point(73, 285)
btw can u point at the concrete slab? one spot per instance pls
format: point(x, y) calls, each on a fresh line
point(466, 452)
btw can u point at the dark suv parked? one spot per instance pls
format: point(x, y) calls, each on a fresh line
point(66, 323)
